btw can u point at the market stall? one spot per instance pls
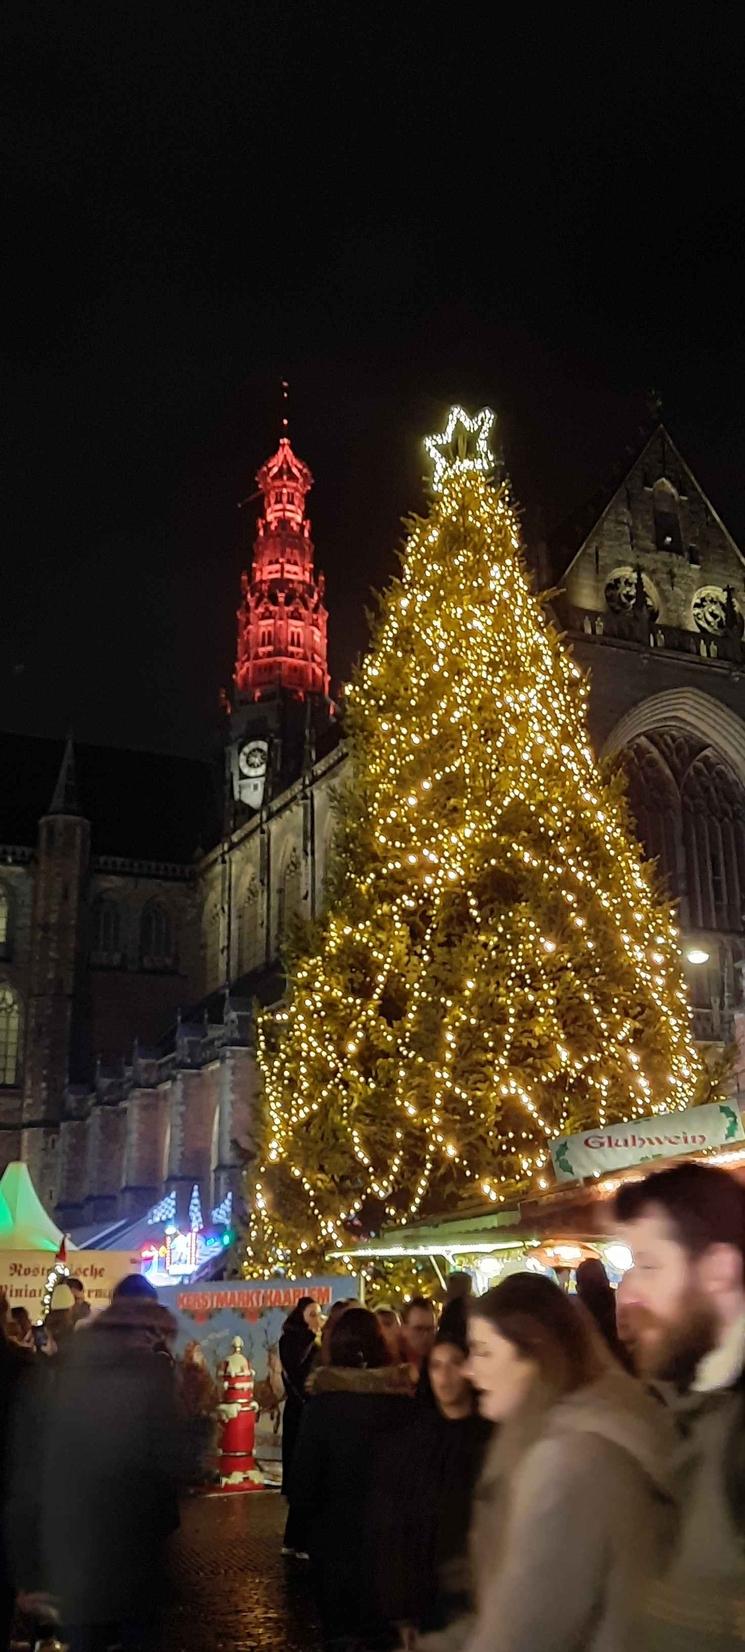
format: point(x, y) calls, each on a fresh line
point(573, 1220)
point(35, 1254)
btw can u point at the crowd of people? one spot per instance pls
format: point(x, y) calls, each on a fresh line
point(539, 1471)
point(531, 1470)
point(99, 1433)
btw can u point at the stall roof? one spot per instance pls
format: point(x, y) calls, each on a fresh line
point(565, 1210)
point(486, 1231)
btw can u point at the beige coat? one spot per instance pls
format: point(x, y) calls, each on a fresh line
point(564, 1540)
point(698, 1603)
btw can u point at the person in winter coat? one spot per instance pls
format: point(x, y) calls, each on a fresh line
point(572, 1508)
point(424, 1486)
point(356, 1400)
point(16, 1371)
point(684, 1313)
point(298, 1353)
point(114, 1459)
point(598, 1297)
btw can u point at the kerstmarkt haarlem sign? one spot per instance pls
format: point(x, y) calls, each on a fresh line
point(665, 1136)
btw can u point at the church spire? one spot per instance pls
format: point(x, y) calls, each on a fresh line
point(65, 795)
point(282, 620)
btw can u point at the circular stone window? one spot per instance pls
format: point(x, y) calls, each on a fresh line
point(709, 609)
point(620, 590)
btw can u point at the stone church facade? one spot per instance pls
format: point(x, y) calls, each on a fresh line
point(132, 951)
point(654, 604)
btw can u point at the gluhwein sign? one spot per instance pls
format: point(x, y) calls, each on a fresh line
point(664, 1136)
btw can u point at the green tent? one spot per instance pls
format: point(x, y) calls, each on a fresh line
point(24, 1224)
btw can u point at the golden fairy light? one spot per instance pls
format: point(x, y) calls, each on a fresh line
point(495, 967)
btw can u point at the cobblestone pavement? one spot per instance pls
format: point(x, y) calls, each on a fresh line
point(233, 1589)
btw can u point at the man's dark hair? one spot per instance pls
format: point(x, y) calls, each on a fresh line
point(358, 1341)
point(417, 1302)
point(76, 1285)
point(458, 1285)
point(705, 1205)
point(454, 1326)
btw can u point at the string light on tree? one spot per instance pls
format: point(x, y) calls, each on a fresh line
point(195, 1210)
point(495, 966)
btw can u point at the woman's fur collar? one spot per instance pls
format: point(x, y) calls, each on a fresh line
point(345, 1379)
point(147, 1322)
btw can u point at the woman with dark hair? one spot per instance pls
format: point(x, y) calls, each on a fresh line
point(570, 1507)
point(335, 1312)
point(423, 1496)
point(355, 1400)
point(298, 1351)
point(597, 1295)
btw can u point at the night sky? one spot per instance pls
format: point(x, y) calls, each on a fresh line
point(395, 206)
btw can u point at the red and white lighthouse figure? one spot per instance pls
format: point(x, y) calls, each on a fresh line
point(238, 1408)
point(282, 619)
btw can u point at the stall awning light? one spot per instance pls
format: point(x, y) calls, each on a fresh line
point(466, 1248)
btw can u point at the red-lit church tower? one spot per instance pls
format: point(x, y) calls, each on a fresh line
point(282, 619)
point(281, 704)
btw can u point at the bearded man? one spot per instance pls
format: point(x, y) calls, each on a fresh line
point(684, 1305)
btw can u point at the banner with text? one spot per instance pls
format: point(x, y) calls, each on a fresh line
point(665, 1136)
point(213, 1312)
point(24, 1273)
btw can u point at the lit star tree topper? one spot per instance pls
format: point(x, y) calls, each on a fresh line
point(495, 967)
point(464, 448)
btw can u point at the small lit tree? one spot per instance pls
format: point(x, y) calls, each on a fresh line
point(495, 966)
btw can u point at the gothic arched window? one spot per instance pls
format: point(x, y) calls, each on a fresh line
point(5, 922)
point(211, 946)
point(655, 803)
point(156, 937)
point(10, 1029)
point(689, 808)
point(250, 936)
point(666, 507)
point(106, 930)
point(289, 897)
point(714, 835)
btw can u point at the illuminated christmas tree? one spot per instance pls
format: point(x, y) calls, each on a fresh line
point(495, 966)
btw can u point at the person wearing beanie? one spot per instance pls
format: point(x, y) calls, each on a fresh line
point(114, 1422)
point(133, 1287)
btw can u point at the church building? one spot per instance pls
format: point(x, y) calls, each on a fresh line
point(134, 946)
